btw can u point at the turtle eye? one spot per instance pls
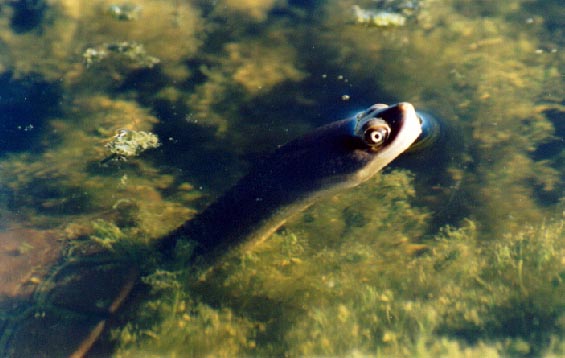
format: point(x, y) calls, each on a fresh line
point(376, 135)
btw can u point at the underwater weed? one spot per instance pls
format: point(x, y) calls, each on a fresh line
point(511, 288)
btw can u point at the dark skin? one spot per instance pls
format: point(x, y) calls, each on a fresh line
point(338, 155)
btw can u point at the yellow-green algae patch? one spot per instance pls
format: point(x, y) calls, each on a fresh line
point(44, 50)
point(172, 31)
point(371, 289)
point(70, 27)
point(67, 176)
point(244, 69)
point(257, 10)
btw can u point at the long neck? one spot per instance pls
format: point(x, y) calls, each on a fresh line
point(248, 213)
point(284, 183)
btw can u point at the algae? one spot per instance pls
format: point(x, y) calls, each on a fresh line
point(459, 258)
point(124, 12)
point(131, 51)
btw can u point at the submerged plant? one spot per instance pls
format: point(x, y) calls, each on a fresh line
point(107, 235)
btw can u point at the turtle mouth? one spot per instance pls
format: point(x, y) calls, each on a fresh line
point(406, 125)
point(396, 117)
point(432, 131)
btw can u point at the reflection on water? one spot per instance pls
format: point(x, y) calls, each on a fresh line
point(455, 251)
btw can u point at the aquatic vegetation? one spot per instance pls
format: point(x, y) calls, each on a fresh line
point(257, 68)
point(364, 288)
point(67, 177)
point(68, 25)
point(131, 51)
point(256, 9)
point(124, 12)
point(248, 68)
point(171, 22)
point(106, 234)
point(128, 143)
point(195, 330)
point(48, 38)
point(371, 272)
point(490, 294)
point(377, 18)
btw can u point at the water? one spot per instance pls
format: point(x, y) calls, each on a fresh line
point(455, 251)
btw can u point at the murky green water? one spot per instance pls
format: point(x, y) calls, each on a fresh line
point(455, 251)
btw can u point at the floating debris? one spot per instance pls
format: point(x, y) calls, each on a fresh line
point(404, 7)
point(127, 143)
point(379, 18)
point(131, 51)
point(124, 12)
point(94, 55)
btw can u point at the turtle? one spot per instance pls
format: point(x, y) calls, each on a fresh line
point(67, 312)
